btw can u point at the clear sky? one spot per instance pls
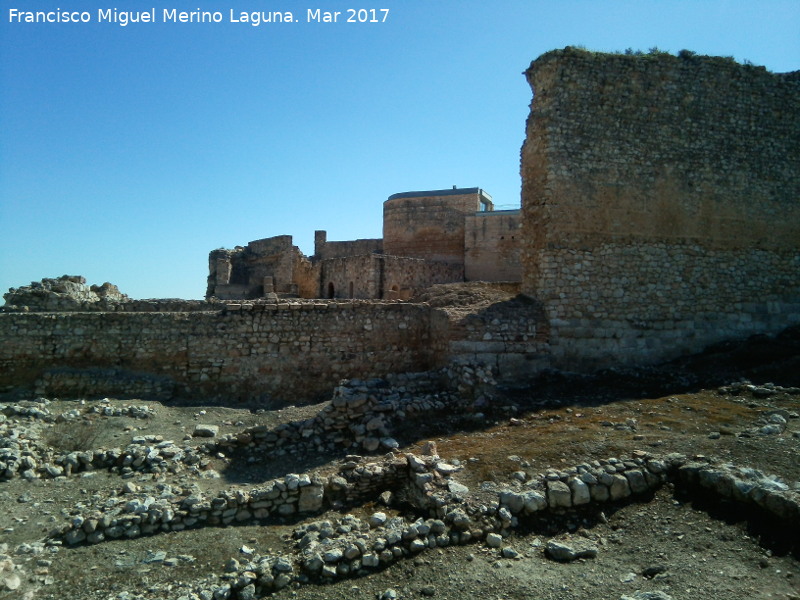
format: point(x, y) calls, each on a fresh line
point(128, 153)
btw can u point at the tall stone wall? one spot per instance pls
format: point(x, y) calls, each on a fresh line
point(492, 243)
point(661, 203)
point(284, 351)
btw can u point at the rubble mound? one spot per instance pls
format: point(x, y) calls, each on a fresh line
point(68, 292)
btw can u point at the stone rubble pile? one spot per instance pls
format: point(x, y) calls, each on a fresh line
point(32, 409)
point(24, 453)
point(359, 415)
point(68, 292)
point(423, 481)
point(37, 409)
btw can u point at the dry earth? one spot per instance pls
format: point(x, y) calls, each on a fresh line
point(668, 545)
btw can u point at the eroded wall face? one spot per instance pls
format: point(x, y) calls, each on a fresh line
point(661, 204)
point(492, 246)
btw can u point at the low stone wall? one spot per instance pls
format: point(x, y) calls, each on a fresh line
point(279, 351)
point(350, 546)
point(360, 416)
point(264, 351)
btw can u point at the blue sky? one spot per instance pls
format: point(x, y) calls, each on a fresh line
point(128, 153)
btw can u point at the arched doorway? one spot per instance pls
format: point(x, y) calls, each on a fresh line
point(331, 290)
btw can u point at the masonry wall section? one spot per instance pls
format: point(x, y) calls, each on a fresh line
point(428, 226)
point(492, 246)
point(661, 203)
point(270, 352)
point(323, 249)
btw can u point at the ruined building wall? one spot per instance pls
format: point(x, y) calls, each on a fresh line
point(429, 225)
point(285, 352)
point(305, 277)
point(269, 265)
point(492, 246)
point(661, 203)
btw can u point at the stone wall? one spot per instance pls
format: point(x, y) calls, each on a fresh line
point(404, 277)
point(323, 249)
point(430, 225)
point(349, 277)
point(510, 338)
point(492, 246)
point(660, 203)
point(264, 351)
point(383, 277)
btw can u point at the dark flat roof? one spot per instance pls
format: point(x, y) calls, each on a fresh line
point(450, 192)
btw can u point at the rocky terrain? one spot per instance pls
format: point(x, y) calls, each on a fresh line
point(679, 481)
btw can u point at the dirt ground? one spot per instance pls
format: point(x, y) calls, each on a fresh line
point(686, 548)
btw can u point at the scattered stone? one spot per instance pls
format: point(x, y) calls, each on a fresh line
point(568, 552)
point(202, 430)
point(457, 489)
point(654, 570)
point(509, 552)
point(377, 519)
point(155, 557)
point(371, 444)
point(494, 540)
point(11, 582)
point(429, 449)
